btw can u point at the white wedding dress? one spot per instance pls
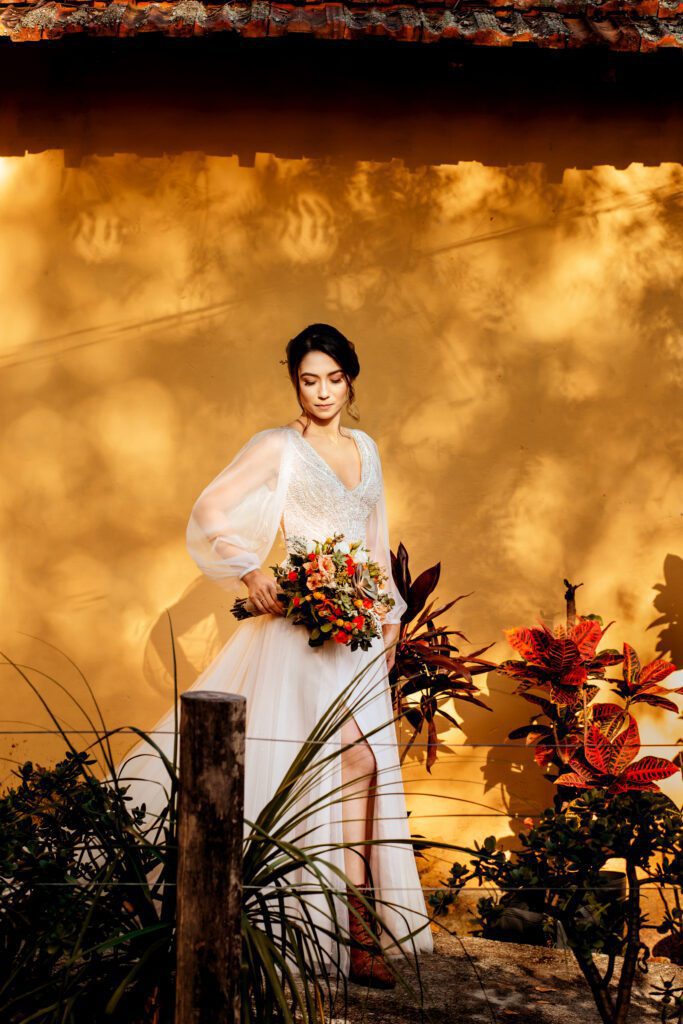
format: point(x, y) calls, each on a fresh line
point(279, 481)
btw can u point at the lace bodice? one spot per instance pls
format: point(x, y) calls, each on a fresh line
point(317, 504)
point(279, 480)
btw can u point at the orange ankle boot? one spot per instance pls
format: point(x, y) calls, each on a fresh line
point(368, 965)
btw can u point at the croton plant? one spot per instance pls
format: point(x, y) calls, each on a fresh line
point(607, 805)
point(583, 743)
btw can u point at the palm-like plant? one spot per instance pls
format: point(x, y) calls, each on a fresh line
point(429, 669)
point(87, 915)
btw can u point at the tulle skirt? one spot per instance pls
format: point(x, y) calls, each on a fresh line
point(288, 687)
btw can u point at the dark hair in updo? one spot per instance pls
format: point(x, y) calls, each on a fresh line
point(323, 338)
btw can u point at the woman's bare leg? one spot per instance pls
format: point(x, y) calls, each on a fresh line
point(359, 770)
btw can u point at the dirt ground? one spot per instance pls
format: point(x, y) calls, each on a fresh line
point(476, 981)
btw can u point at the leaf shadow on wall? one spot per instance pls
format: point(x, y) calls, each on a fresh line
point(669, 604)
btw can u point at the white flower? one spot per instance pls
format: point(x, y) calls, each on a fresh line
point(361, 555)
point(343, 546)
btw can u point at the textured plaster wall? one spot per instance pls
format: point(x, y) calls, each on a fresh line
point(522, 362)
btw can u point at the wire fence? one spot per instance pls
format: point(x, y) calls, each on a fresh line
point(515, 817)
point(129, 730)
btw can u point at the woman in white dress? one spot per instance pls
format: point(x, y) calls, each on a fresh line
point(311, 478)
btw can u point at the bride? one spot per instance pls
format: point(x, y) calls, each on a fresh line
point(310, 478)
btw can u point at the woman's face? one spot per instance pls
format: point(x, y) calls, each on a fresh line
point(322, 385)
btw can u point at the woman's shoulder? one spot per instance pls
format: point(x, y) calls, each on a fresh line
point(366, 437)
point(271, 440)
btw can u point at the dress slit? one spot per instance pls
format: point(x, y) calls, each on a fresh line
point(369, 780)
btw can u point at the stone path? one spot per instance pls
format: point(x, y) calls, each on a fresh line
point(475, 981)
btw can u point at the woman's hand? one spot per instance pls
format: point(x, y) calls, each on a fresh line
point(263, 592)
point(390, 632)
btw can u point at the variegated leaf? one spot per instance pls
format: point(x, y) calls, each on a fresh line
point(647, 770)
point(655, 671)
point(631, 667)
point(574, 780)
point(624, 748)
point(597, 749)
point(586, 635)
point(655, 702)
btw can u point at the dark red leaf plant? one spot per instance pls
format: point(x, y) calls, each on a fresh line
point(430, 670)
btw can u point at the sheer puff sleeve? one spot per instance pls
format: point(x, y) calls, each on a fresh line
point(234, 521)
point(377, 538)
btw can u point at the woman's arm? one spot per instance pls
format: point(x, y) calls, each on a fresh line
point(234, 520)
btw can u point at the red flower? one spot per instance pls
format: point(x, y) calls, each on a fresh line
point(292, 574)
point(312, 557)
point(296, 600)
point(348, 625)
point(367, 602)
point(358, 621)
point(341, 637)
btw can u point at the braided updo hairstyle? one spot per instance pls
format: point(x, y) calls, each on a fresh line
point(324, 338)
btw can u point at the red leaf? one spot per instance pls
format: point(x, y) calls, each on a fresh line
point(567, 747)
point(655, 671)
point(543, 755)
point(605, 658)
point(624, 748)
point(562, 656)
point(432, 744)
point(597, 749)
point(647, 770)
point(586, 635)
point(567, 696)
point(571, 779)
point(631, 667)
point(611, 718)
point(577, 676)
point(624, 787)
point(655, 702)
point(583, 770)
point(530, 643)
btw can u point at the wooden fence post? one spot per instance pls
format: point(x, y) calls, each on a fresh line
point(210, 829)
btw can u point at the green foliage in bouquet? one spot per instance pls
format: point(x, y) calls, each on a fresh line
point(333, 588)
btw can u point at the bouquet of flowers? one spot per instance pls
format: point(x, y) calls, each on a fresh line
point(333, 588)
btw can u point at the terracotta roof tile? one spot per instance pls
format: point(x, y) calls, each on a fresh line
point(636, 26)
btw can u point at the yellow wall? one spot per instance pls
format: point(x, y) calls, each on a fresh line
point(520, 342)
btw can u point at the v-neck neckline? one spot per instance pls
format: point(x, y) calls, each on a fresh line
point(359, 448)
